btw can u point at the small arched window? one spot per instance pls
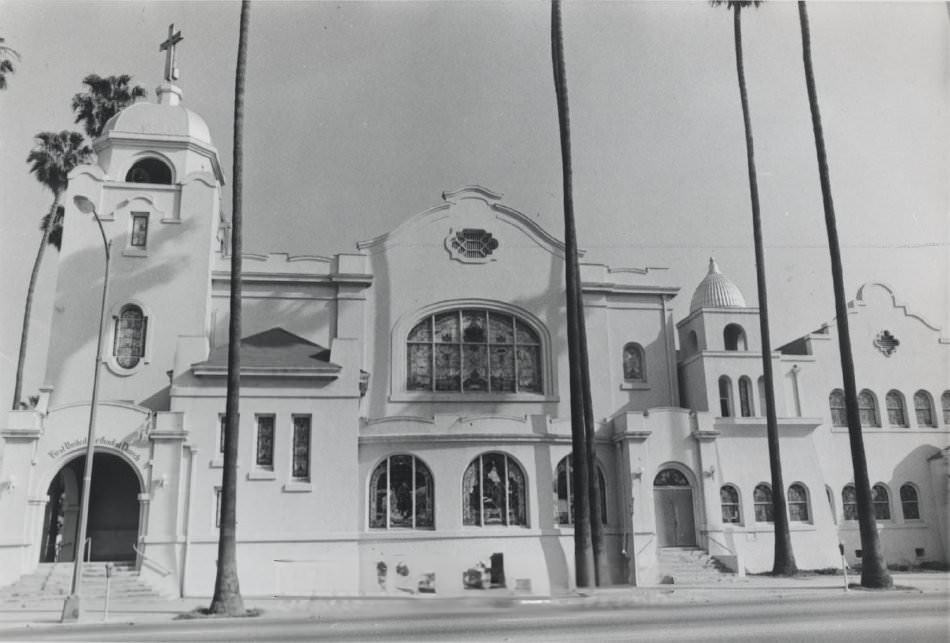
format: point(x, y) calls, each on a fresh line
point(762, 402)
point(729, 500)
point(734, 338)
point(725, 396)
point(839, 415)
point(849, 502)
point(762, 500)
point(473, 350)
point(881, 502)
point(149, 170)
point(924, 408)
point(867, 409)
point(402, 494)
point(128, 345)
point(945, 405)
point(798, 503)
point(896, 413)
point(493, 489)
point(909, 506)
point(564, 492)
point(633, 363)
point(745, 397)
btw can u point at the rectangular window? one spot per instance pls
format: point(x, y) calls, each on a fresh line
point(301, 448)
point(139, 236)
point(217, 506)
point(265, 442)
point(222, 429)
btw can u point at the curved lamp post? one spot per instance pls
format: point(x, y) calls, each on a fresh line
point(71, 608)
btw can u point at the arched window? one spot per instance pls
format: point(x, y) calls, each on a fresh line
point(149, 170)
point(564, 492)
point(692, 343)
point(867, 408)
point(729, 500)
point(670, 478)
point(473, 350)
point(849, 502)
point(128, 345)
point(734, 338)
point(839, 416)
point(924, 408)
point(493, 489)
point(909, 506)
point(945, 405)
point(762, 500)
point(896, 414)
point(798, 503)
point(633, 366)
point(401, 494)
point(881, 502)
point(762, 403)
point(725, 396)
point(745, 397)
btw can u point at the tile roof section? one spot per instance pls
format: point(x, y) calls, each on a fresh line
point(273, 352)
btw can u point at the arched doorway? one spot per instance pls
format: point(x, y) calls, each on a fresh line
point(673, 504)
point(113, 525)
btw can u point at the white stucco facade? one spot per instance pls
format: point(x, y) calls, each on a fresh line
point(437, 348)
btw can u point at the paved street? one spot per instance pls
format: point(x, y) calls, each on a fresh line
point(856, 616)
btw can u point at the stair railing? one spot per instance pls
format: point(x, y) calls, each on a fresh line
point(161, 569)
point(87, 549)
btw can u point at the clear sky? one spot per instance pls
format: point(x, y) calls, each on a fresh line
point(360, 114)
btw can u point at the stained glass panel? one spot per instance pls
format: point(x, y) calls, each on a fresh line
point(473, 326)
point(909, 504)
point(529, 369)
point(516, 494)
point(378, 490)
point(502, 369)
point(525, 335)
point(400, 491)
point(500, 330)
point(129, 344)
point(447, 367)
point(265, 441)
point(419, 368)
point(301, 448)
point(475, 361)
point(424, 496)
point(670, 478)
point(849, 503)
point(472, 494)
point(493, 489)
point(447, 327)
point(422, 331)
point(563, 498)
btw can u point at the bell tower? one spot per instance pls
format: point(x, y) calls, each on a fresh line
point(155, 186)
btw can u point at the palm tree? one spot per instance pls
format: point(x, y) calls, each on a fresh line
point(7, 54)
point(227, 590)
point(784, 558)
point(52, 158)
point(873, 567)
point(584, 566)
point(103, 99)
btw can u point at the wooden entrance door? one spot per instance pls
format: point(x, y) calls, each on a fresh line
point(673, 509)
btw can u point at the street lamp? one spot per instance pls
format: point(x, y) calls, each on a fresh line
point(71, 608)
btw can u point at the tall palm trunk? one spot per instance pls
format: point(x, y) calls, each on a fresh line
point(584, 569)
point(784, 559)
point(28, 308)
point(873, 568)
point(227, 591)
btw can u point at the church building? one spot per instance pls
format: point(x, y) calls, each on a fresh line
point(405, 417)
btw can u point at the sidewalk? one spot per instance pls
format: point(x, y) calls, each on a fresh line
point(14, 615)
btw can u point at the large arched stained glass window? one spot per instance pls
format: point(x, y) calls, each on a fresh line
point(401, 494)
point(896, 413)
point(798, 503)
point(881, 501)
point(924, 408)
point(128, 345)
point(909, 505)
point(473, 350)
point(564, 492)
point(849, 502)
point(729, 500)
point(867, 408)
point(493, 492)
point(839, 415)
point(762, 502)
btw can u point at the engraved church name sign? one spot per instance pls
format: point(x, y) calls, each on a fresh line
point(71, 445)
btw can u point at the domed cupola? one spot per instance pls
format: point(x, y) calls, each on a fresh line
point(716, 291)
point(165, 119)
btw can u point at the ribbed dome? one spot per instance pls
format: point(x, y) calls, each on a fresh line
point(716, 291)
point(165, 118)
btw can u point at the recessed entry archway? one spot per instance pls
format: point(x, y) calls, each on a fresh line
point(113, 526)
point(673, 509)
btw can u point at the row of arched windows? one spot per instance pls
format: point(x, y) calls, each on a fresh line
point(746, 397)
point(881, 502)
point(494, 486)
point(797, 502)
point(895, 406)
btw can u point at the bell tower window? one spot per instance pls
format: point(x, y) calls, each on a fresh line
point(129, 344)
point(139, 236)
point(149, 170)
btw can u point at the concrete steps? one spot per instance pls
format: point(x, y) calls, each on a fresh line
point(53, 581)
point(692, 566)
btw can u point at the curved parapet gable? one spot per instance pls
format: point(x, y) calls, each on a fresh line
point(866, 291)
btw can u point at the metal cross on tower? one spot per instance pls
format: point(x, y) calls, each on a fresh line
point(171, 72)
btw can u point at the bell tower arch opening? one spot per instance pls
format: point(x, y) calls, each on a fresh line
point(113, 527)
